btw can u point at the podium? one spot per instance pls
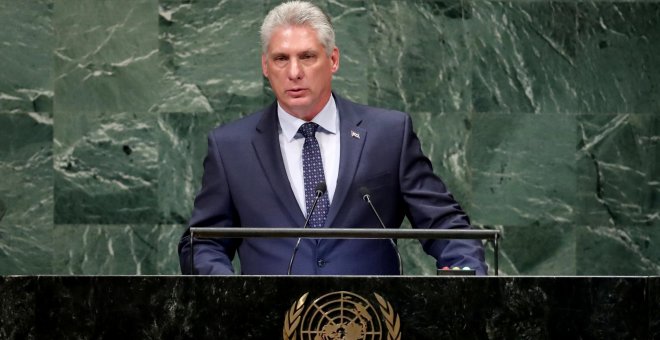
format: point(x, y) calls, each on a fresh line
point(259, 307)
point(348, 233)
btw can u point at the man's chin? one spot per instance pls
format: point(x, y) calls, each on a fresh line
point(297, 104)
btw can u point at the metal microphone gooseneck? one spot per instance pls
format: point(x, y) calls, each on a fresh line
point(366, 196)
point(321, 188)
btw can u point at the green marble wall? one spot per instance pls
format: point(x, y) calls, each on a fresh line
point(542, 117)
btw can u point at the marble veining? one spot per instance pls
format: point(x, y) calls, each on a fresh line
point(254, 307)
point(540, 116)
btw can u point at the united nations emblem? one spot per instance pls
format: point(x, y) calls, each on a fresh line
point(341, 315)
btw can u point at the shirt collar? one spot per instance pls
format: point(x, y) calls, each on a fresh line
point(326, 119)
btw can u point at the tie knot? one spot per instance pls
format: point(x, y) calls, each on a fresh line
point(308, 129)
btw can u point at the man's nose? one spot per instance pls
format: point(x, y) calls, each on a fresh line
point(295, 69)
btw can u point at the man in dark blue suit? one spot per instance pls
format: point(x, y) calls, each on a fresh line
point(263, 170)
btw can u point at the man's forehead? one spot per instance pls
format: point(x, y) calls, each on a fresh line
point(276, 45)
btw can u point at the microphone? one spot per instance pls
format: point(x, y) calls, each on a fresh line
point(321, 188)
point(366, 196)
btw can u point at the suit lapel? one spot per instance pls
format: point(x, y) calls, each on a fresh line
point(351, 143)
point(267, 147)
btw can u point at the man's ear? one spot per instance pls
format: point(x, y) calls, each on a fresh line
point(334, 58)
point(264, 66)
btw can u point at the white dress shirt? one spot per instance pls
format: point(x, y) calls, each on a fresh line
point(291, 144)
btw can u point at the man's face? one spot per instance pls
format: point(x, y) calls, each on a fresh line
point(299, 70)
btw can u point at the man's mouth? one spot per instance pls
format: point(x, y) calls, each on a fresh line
point(296, 91)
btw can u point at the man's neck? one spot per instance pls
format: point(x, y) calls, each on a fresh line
point(310, 114)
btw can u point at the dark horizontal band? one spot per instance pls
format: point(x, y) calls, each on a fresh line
point(366, 233)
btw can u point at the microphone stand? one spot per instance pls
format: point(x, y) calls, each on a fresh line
point(367, 198)
point(320, 190)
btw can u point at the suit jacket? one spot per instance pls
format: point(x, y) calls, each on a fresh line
point(245, 185)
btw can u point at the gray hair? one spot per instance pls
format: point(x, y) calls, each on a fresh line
point(298, 13)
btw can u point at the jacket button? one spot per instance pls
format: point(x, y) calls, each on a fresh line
point(321, 263)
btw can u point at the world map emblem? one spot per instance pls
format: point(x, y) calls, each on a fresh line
point(341, 315)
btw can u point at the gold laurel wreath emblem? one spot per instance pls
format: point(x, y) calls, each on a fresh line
point(292, 318)
point(392, 320)
point(294, 315)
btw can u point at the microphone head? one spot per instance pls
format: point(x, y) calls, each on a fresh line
point(321, 187)
point(365, 193)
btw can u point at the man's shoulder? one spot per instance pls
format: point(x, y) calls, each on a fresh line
point(372, 114)
point(242, 127)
